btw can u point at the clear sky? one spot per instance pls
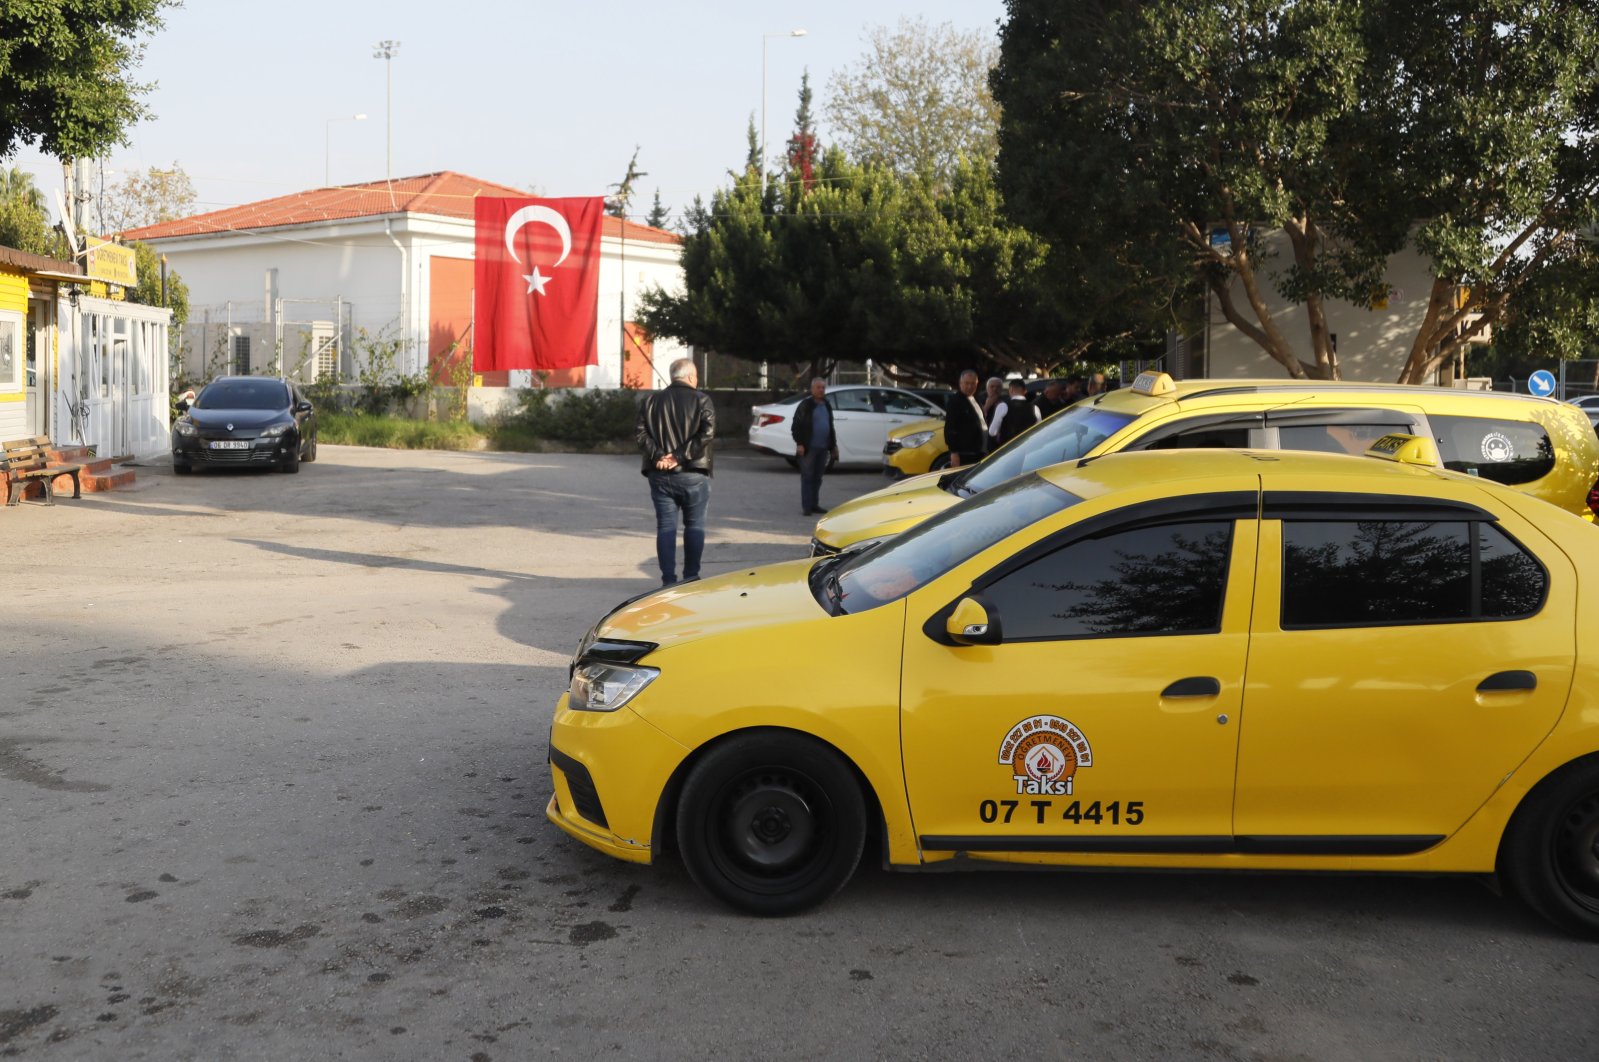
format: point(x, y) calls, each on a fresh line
point(550, 96)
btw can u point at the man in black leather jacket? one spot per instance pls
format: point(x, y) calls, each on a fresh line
point(674, 433)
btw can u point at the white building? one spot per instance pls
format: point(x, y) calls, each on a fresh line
point(1372, 342)
point(301, 276)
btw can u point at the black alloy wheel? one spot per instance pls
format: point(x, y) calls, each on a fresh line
point(1551, 857)
point(771, 822)
point(182, 468)
point(310, 453)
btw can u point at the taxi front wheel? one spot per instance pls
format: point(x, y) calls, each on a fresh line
point(771, 822)
point(1551, 858)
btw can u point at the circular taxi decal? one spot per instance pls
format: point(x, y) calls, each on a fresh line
point(1497, 447)
point(1044, 753)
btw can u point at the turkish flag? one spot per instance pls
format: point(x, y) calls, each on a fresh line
point(537, 279)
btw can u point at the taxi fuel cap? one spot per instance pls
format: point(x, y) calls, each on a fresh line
point(1153, 384)
point(1405, 449)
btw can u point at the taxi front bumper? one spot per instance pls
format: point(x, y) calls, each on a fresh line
point(609, 771)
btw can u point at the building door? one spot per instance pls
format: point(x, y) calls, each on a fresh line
point(38, 357)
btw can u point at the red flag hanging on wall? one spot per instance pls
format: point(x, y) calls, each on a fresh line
point(537, 283)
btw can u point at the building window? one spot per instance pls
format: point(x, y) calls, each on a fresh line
point(11, 351)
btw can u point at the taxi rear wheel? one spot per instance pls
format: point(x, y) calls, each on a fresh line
point(1551, 858)
point(771, 823)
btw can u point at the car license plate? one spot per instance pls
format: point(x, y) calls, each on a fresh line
point(230, 444)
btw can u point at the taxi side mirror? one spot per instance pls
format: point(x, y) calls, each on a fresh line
point(970, 622)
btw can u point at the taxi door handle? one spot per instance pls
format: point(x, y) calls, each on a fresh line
point(1196, 686)
point(1508, 682)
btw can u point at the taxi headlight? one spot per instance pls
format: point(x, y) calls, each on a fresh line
point(600, 687)
point(915, 439)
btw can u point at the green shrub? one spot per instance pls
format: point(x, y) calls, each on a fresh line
point(399, 433)
point(579, 418)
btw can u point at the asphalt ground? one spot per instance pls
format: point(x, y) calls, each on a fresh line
point(272, 771)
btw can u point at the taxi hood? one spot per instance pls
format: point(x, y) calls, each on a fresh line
point(884, 512)
point(749, 597)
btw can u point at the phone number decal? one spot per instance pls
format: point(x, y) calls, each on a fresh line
point(1114, 813)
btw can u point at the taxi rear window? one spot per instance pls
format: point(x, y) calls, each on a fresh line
point(1505, 451)
point(912, 560)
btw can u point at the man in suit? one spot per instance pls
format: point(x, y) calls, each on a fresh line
point(964, 426)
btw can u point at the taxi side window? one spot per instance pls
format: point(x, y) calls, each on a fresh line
point(1333, 438)
point(1505, 451)
point(1236, 438)
point(1369, 573)
point(1160, 579)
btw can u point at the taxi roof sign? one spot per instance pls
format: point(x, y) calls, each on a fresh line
point(1405, 449)
point(1154, 384)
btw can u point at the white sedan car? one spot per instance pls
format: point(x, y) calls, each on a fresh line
point(862, 417)
point(1589, 404)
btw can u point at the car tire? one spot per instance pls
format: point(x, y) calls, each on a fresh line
point(1550, 858)
point(793, 462)
point(291, 460)
point(940, 462)
point(181, 468)
point(310, 455)
point(771, 822)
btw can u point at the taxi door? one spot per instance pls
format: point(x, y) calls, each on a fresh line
point(1104, 719)
point(1408, 654)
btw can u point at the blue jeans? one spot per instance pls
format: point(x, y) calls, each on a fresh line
point(672, 491)
point(813, 465)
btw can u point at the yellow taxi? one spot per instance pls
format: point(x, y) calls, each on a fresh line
point(1204, 659)
point(915, 449)
point(1541, 446)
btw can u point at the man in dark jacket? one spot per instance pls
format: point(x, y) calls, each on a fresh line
point(815, 443)
point(674, 433)
point(964, 427)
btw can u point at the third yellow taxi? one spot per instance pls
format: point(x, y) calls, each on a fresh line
point(1541, 446)
point(1203, 659)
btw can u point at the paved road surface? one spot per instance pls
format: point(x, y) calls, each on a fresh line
point(272, 765)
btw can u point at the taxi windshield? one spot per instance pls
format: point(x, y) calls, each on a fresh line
point(860, 581)
point(1066, 436)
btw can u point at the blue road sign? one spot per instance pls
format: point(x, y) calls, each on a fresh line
point(1541, 383)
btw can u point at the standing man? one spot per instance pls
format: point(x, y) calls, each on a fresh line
point(674, 433)
point(1053, 400)
point(816, 443)
point(1013, 416)
point(964, 426)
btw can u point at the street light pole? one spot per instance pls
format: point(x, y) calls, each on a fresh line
point(387, 50)
point(327, 146)
point(764, 38)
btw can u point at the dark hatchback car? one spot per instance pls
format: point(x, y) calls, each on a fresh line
point(245, 420)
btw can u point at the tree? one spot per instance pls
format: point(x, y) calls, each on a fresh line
point(65, 71)
point(917, 100)
point(658, 215)
point(24, 219)
point(864, 264)
point(622, 191)
point(1167, 138)
point(147, 198)
point(802, 145)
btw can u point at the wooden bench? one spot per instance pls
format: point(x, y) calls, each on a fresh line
point(27, 461)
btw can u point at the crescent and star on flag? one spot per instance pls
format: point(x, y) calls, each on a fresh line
point(543, 215)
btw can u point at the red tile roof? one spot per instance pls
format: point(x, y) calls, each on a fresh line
point(444, 194)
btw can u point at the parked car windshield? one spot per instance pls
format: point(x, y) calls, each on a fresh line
point(244, 394)
point(907, 562)
point(1066, 436)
